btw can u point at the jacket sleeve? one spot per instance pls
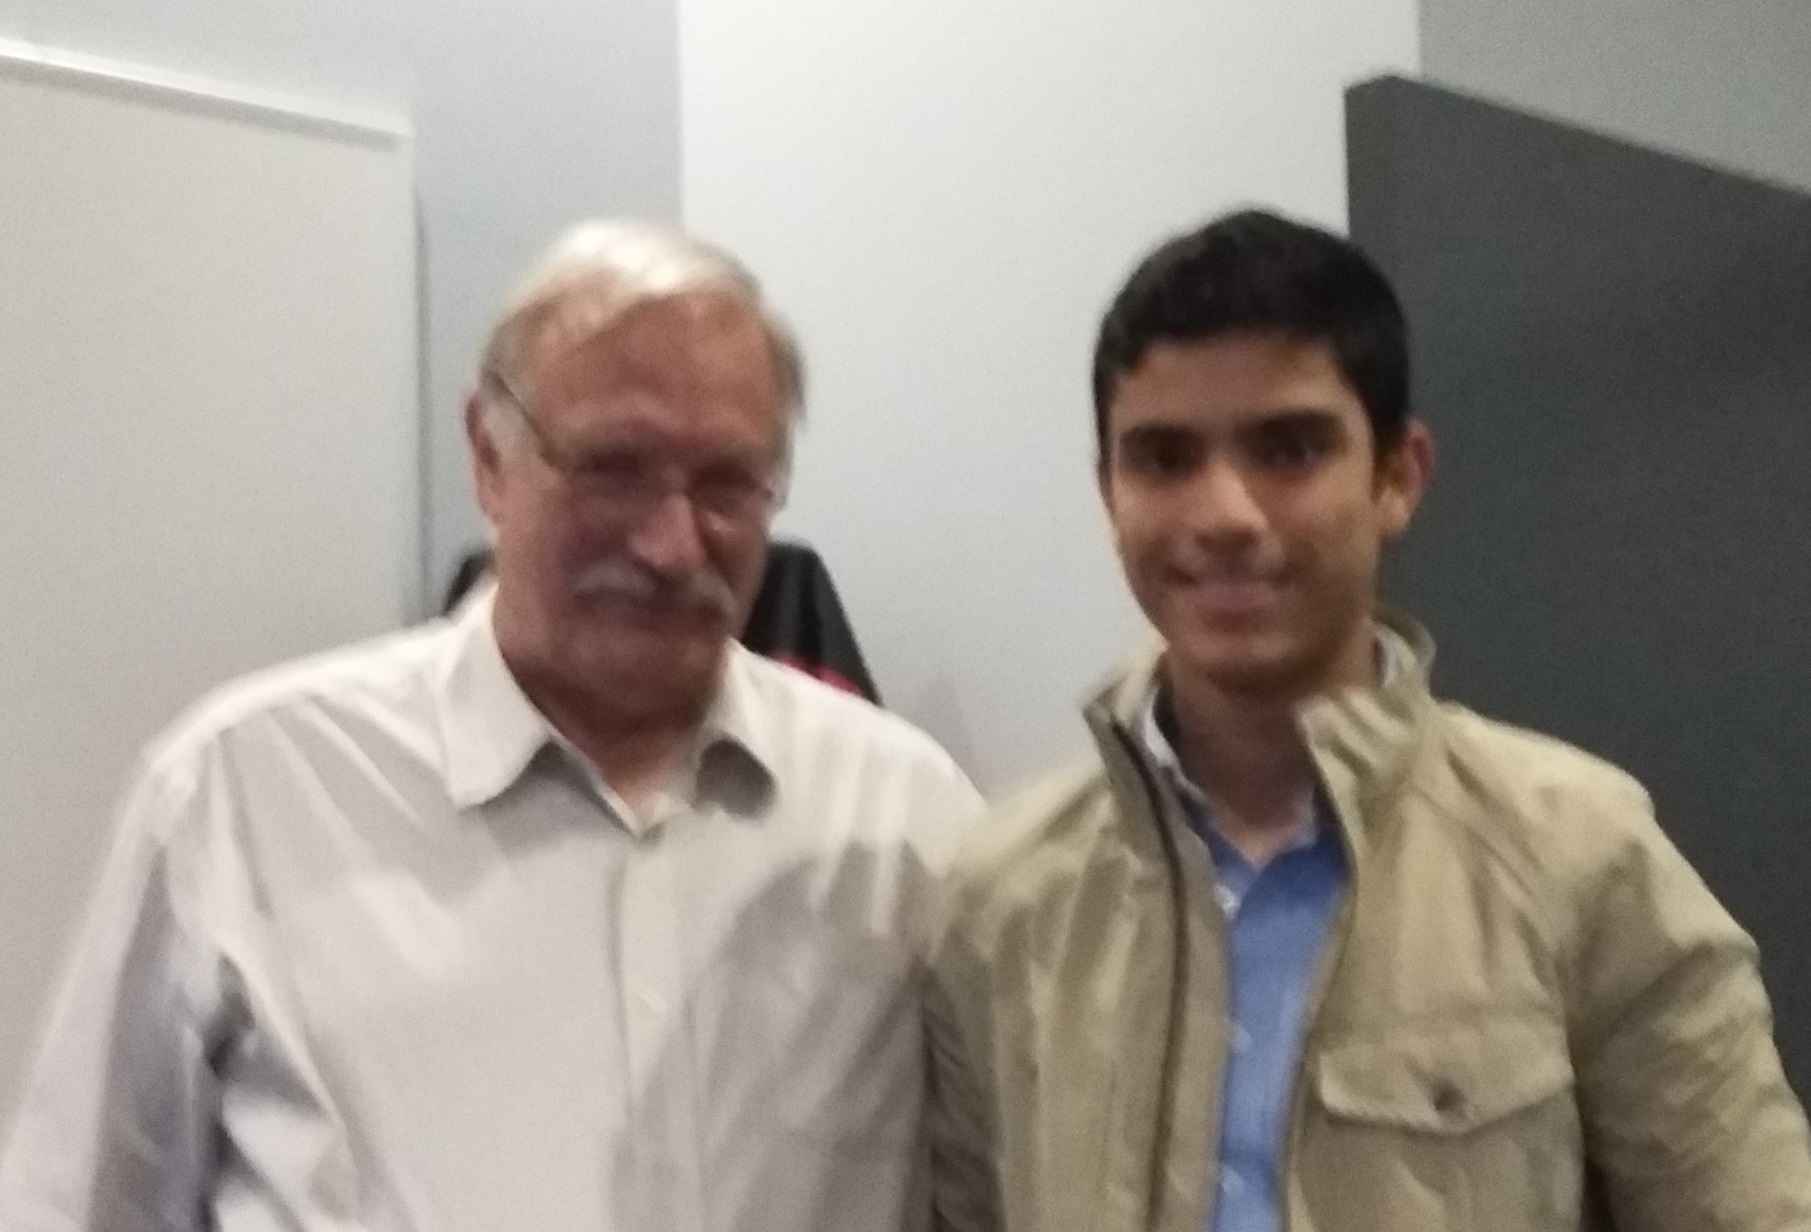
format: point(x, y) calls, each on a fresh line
point(117, 1124)
point(964, 1179)
point(1689, 1121)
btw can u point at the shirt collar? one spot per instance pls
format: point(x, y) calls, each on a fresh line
point(489, 728)
point(1393, 657)
point(735, 755)
point(1196, 805)
point(1361, 738)
point(491, 731)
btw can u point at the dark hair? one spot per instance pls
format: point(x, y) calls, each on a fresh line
point(1256, 271)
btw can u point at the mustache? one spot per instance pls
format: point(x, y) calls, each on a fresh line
point(614, 577)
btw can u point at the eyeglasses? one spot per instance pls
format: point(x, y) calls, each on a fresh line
point(629, 484)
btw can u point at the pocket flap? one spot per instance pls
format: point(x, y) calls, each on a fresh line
point(1446, 1078)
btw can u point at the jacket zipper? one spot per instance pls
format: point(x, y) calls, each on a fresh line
point(1179, 897)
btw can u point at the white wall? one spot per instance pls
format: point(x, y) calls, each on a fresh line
point(944, 197)
point(526, 115)
point(131, 458)
point(1728, 84)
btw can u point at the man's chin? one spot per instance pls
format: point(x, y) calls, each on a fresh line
point(607, 614)
point(1248, 666)
point(652, 662)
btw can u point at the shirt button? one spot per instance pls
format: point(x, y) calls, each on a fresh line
point(1231, 1183)
point(1241, 1038)
point(1228, 900)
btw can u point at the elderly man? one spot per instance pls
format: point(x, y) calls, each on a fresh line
point(567, 913)
point(1301, 947)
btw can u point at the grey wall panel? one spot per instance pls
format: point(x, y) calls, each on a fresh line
point(1614, 349)
point(209, 443)
point(1726, 84)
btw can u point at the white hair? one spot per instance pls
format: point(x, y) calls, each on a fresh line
point(597, 271)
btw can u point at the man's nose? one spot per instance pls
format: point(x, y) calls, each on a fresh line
point(667, 537)
point(1222, 502)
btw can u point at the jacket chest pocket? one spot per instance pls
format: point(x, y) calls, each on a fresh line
point(1467, 1124)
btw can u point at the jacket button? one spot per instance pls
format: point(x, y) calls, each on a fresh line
point(1449, 1100)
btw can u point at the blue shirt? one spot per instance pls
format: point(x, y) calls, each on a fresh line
point(1277, 917)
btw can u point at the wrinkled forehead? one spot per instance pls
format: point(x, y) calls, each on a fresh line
point(603, 320)
point(701, 347)
point(688, 374)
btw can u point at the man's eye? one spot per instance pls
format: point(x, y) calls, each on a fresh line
point(1160, 455)
point(610, 469)
point(729, 489)
point(1287, 448)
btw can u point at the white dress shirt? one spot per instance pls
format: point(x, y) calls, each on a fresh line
point(375, 950)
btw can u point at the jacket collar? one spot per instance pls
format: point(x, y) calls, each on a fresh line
point(1364, 740)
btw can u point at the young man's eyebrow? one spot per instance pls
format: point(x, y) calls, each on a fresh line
point(1158, 430)
point(1309, 418)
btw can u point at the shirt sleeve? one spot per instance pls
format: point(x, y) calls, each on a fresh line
point(117, 1124)
point(959, 1130)
point(1689, 1120)
point(943, 809)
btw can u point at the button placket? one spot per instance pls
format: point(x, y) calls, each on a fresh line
point(659, 1062)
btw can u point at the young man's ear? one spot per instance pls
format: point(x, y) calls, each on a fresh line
point(1403, 475)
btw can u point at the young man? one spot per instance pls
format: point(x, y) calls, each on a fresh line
point(1301, 947)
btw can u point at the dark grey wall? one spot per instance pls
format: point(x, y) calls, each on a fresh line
point(1612, 348)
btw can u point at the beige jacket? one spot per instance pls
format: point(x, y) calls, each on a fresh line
point(1531, 1014)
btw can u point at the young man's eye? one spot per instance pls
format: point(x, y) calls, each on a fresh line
point(1284, 451)
point(1290, 446)
point(1160, 455)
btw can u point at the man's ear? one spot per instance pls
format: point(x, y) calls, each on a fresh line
point(487, 460)
point(1403, 475)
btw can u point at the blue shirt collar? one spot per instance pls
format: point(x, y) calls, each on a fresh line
point(1394, 656)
